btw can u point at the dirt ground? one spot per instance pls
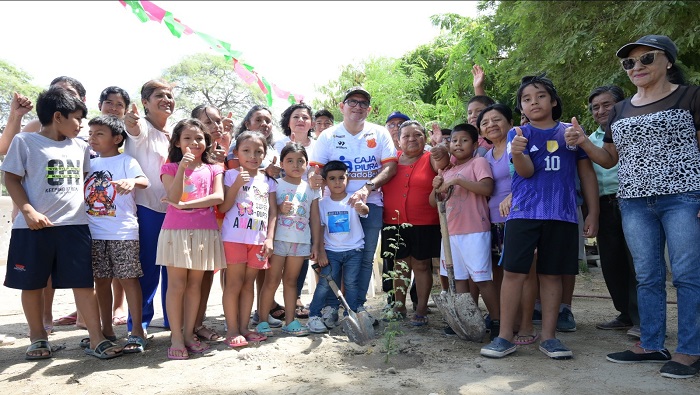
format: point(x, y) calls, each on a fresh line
point(427, 362)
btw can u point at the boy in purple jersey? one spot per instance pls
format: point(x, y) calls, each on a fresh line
point(543, 213)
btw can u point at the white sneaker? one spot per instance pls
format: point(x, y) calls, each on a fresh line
point(316, 325)
point(330, 317)
point(272, 321)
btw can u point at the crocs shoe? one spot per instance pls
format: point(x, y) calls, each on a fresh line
point(498, 348)
point(272, 321)
point(263, 328)
point(296, 328)
point(555, 349)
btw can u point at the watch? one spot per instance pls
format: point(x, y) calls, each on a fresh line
point(370, 185)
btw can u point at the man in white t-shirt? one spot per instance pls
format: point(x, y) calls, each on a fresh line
point(368, 151)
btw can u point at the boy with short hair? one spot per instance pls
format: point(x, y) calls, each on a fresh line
point(111, 213)
point(44, 175)
point(343, 241)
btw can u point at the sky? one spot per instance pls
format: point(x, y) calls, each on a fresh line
point(297, 45)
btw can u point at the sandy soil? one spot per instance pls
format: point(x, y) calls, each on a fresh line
point(427, 362)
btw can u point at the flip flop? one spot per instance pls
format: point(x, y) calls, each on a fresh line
point(523, 340)
point(182, 353)
point(197, 348)
point(39, 345)
point(236, 341)
point(116, 321)
point(255, 337)
point(278, 312)
point(85, 342)
point(137, 341)
point(296, 328)
point(70, 319)
point(301, 312)
point(101, 350)
point(419, 320)
point(207, 334)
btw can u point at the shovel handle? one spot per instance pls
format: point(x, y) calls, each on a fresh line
point(333, 285)
point(442, 210)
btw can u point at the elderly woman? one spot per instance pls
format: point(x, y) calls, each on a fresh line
point(406, 201)
point(654, 135)
point(149, 138)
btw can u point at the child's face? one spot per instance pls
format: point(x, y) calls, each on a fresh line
point(250, 153)
point(294, 164)
point(537, 103)
point(300, 122)
point(462, 146)
point(473, 110)
point(193, 138)
point(212, 120)
point(322, 123)
point(68, 127)
point(337, 181)
point(101, 139)
point(261, 121)
point(114, 105)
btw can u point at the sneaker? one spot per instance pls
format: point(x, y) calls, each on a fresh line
point(375, 321)
point(272, 321)
point(635, 332)
point(629, 356)
point(316, 325)
point(565, 321)
point(329, 315)
point(555, 349)
point(448, 331)
point(676, 370)
point(537, 317)
point(498, 348)
point(615, 323)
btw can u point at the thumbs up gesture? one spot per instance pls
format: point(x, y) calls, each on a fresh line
point(273, 170)
point(574, 134)
point(243, 176)
point(228, 123)
point(316, 179)
point(438, 180)
point(519, 143)
point(187, 157)
point(131, 120)
point(20, 105)
point(286, 206)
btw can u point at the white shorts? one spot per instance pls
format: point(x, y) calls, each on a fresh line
point(471, 256)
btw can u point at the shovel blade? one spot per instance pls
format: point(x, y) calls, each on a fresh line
point(462, 315)
point(356, 330)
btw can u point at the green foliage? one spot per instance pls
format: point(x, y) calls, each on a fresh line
point(209, 79)
point(15, 80)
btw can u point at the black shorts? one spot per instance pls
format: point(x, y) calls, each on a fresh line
point(418, 241)
point(556, 243)
point(62, 252)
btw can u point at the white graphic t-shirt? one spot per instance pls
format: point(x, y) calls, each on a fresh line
point(246, 221)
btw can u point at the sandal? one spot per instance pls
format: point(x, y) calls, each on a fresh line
point(85, 342)
point(101, 351)
point(139, 342)
point(197, 347)
point(236, 341)
point(207, 334)
point(278, 312)
point(117, 321)
point(39, 345)
point(255, 337)
point(419, 320)
point(296, 328)
point(181, 353)
point(70, 319)
point(523, 340)
point(264, 329)
point(301, 312)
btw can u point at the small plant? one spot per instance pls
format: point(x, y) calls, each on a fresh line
point(400, 267)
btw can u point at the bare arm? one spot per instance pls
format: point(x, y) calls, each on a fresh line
point(481, 187)
point(35, 220)
point(19, 106)
point(387, 171)
point(589, 189)
point(267, 247)
point(316, 229)
point(231, 192)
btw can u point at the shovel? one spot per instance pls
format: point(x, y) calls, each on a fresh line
point(459, 310)
point(358, 326)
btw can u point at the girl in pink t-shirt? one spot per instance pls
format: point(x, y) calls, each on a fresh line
point(189, 242)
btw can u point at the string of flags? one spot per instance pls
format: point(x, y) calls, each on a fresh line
point(147, 11)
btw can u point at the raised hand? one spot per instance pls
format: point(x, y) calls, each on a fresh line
point(187, 157)
point(478, 74)
point(131, 119)
point(20, 104)
point(243, 176)
point(438, 152)
point(219, 153)
point(316, 181)
point(519, 143)
point(574, 134)
point(228, 123)
point(272, 169)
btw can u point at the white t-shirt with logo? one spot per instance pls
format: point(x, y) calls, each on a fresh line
point(111, 216)
point(341, 222)
point(364, 153)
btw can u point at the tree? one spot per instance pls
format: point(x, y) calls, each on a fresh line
point(15, 80)
point(209, 79)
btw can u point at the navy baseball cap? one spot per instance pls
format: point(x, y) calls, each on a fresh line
point(398, 115)
point(654, 41)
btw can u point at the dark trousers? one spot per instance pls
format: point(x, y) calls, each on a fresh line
point(616, 260)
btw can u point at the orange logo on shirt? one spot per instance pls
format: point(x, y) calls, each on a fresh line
point(371, 143)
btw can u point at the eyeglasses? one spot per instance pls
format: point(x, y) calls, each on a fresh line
point(354, 103)
point(393, 125)
point(645, 59)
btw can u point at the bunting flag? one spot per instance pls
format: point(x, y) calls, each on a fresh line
point(147, 10)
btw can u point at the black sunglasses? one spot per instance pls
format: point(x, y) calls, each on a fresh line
point(645, 59)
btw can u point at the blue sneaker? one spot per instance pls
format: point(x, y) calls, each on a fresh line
point(555, 349)
point(498, 348)
point(537, 317)
point(565, 321)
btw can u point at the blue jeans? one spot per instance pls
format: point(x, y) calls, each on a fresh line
point(348, 263)
point(648, 224)
point(371, 226)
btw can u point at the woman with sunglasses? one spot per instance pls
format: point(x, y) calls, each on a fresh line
point(654, 135)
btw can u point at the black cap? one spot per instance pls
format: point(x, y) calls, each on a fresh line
point(359, 90)
point(654, 41)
